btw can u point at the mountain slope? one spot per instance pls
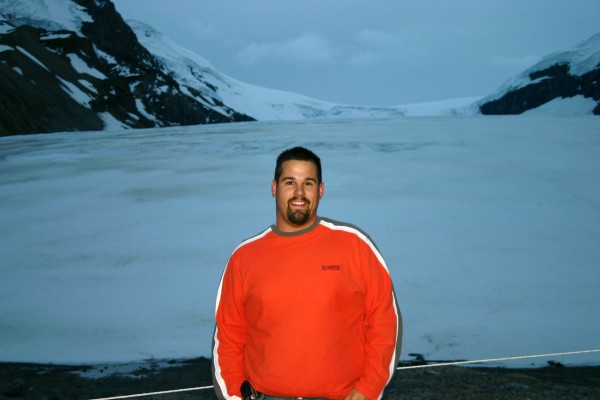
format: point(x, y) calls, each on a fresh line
point(75, 65)
point(70, 65)
point(197, 75)
point(571, 74)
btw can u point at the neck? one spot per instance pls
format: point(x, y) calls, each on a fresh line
point(285, 227)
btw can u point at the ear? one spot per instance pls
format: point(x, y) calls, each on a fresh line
point(321, 190)
point(273, 187)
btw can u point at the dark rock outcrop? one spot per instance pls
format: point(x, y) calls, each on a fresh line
point(547, 85)
point(60, 80)
point(566, 74)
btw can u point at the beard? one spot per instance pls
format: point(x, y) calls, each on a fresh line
point(298, 217)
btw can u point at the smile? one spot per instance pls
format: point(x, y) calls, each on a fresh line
point(298, 203)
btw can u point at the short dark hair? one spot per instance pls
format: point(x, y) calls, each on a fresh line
point(299, 154)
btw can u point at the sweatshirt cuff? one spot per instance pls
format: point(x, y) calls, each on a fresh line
point(371, 394)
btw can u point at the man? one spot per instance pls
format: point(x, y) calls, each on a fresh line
point(306, 308)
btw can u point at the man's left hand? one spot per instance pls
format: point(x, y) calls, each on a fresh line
point(355, 395)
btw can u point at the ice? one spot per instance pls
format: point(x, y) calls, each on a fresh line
point(113, 243)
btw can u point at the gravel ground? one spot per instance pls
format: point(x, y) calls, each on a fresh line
point(54, 382)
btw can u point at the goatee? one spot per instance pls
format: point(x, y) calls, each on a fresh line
point(298, 217)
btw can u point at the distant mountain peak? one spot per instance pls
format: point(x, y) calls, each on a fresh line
point(574, 72)
point(51, 15)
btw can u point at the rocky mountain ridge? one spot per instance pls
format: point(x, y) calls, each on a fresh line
point(76, 65)
point(56, 79)
point(561, 75)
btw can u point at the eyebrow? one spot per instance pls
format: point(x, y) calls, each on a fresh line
point(291, 178)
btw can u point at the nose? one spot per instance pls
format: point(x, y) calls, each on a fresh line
point(299, 190)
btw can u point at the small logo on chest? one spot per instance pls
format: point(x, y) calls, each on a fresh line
point(331, 267)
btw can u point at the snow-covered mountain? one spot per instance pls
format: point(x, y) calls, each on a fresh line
point(571, 76)
point(69, 65)
point(196, 73)
point(76, 65)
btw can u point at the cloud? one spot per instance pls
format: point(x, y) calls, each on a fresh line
point(199, 29)
point(371, 47)
point(377, 39)
point(307, 50)
point(366, 59)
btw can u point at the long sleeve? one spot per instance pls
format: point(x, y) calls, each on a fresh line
point(230, 336)
point(383, 326)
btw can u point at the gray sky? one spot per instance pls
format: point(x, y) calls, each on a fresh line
point(372, 52)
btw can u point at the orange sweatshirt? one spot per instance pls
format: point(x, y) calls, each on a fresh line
point(306, 314)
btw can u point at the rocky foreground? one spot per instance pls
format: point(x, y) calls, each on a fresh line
point(53, 382)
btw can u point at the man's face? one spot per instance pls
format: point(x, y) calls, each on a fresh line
point(297, 195)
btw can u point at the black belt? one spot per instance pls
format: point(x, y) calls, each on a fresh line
point(249, 393)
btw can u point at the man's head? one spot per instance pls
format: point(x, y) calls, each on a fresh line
point(297, 188)
point(299, 154)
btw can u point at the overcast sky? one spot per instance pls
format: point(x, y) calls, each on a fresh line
point(372, 52)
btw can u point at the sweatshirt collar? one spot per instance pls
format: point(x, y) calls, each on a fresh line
point(296, 233)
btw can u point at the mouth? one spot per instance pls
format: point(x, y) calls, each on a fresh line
point(298, 202)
